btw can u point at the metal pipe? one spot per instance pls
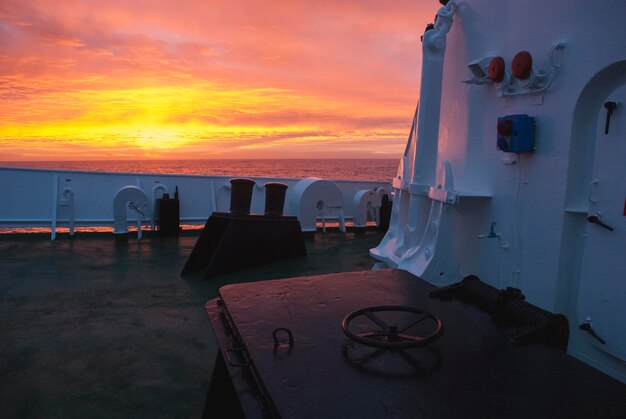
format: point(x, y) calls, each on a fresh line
point(67, 199)
point(53, 217)
point(427, 127)
point(155, 189)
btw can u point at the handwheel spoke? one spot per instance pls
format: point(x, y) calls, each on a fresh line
point(410, 337)
point(376, 320)
point(424, 316)
point(391, 336)
point(372, 334)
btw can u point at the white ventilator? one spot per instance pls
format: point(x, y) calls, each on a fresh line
point(311, 199)
point(133, 198)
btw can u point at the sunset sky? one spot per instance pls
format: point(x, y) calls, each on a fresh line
point(119, 79)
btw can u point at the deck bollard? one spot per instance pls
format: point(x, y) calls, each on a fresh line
point(241, 195)
point(274, 198)
point(239, 240)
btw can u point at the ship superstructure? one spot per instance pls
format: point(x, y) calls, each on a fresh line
point(514, 169)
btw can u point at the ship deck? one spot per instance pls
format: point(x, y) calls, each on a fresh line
point(92, 327)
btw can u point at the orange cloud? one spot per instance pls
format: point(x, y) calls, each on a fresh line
point(115, 79)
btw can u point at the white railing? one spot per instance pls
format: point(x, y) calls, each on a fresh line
point(60, 198)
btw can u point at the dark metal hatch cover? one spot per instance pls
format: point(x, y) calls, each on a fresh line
point(471, 370)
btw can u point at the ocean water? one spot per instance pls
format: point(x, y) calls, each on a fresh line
point(344, 169)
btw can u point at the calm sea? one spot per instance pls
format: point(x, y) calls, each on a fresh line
point(352, 169)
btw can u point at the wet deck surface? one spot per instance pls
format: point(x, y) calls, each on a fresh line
point(95, 328)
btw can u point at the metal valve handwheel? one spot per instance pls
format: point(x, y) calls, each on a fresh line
point(393, 336)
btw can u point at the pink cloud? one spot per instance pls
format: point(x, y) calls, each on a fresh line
point(359, 52)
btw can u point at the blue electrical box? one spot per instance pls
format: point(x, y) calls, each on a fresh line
point(516, 134)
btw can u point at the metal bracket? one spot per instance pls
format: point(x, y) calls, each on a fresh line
point(278, 342)
point(444, 192)
point(241, 353)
